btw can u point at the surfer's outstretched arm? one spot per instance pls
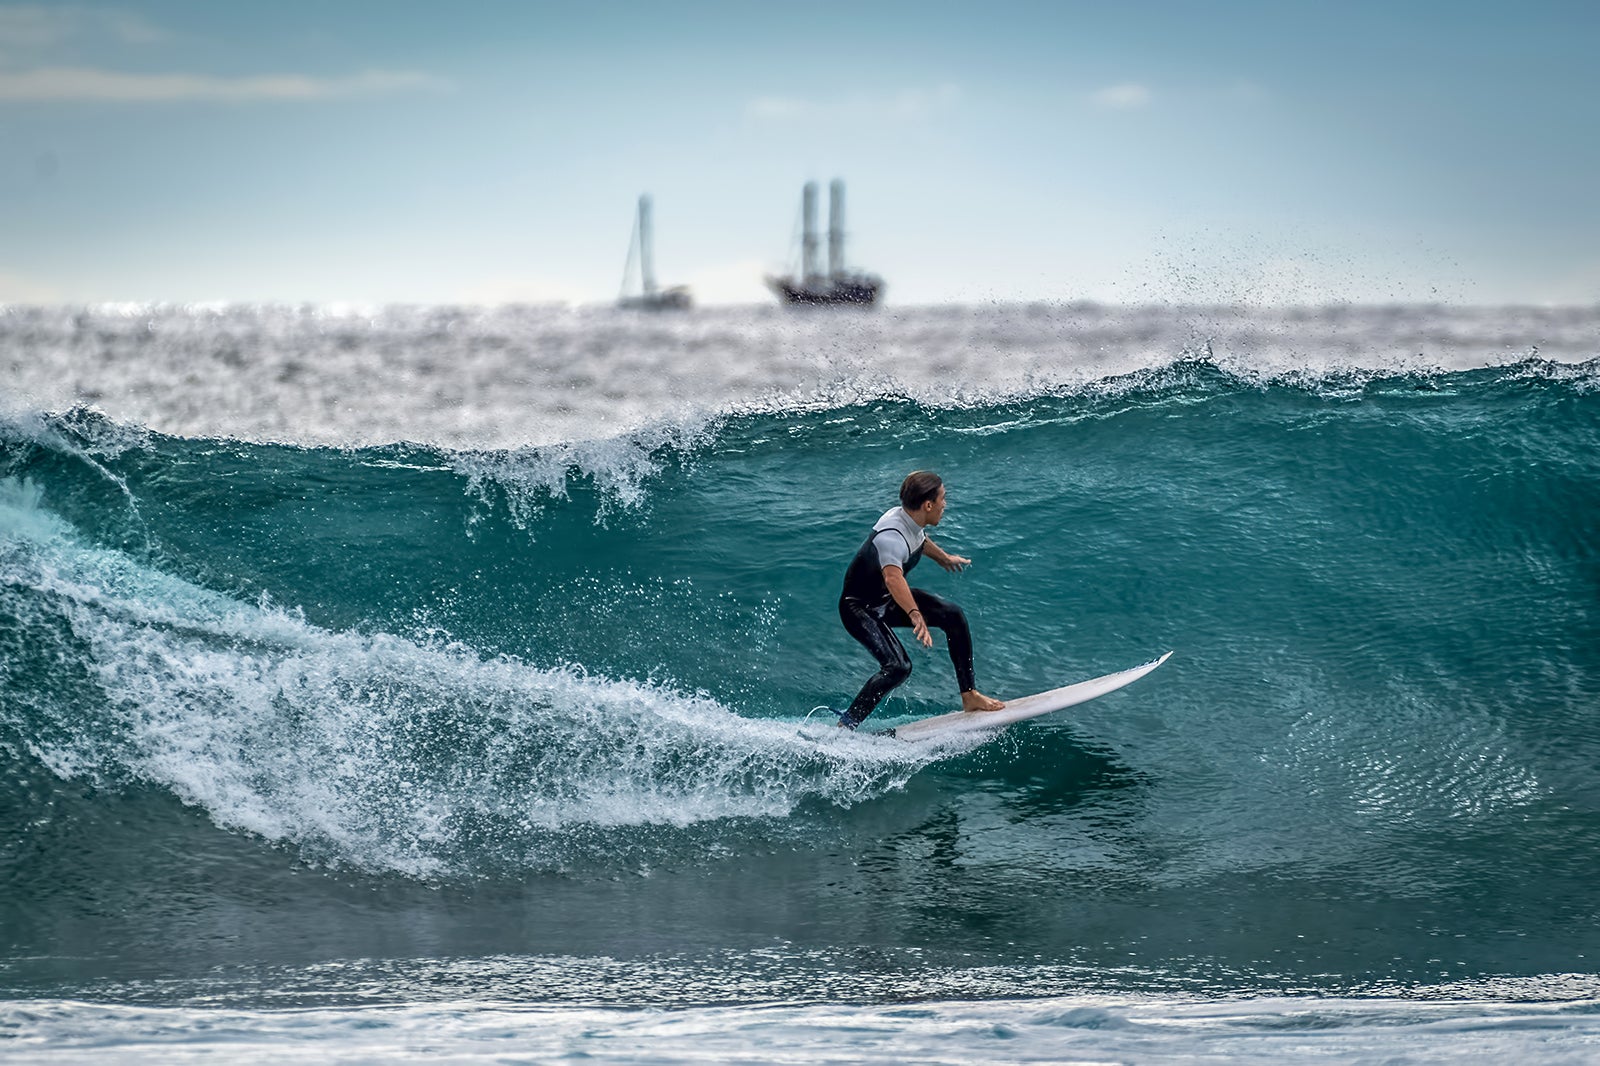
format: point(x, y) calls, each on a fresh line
point(952, 563)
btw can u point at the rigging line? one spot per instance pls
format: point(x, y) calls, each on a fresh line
point(633, 259)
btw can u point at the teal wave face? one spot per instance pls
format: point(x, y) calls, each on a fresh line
point(580, 662)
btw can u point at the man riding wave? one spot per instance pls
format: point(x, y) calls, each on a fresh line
point(876, 599)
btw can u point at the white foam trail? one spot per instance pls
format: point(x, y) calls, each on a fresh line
point(378, 751)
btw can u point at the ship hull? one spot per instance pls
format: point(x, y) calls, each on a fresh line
point(859, 292)
point(676, 298)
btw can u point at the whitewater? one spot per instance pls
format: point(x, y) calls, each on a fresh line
point(439, 682)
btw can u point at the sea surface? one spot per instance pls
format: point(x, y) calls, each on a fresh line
point(443, 683)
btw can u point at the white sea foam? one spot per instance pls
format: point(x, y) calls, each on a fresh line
point(529, 477)
point(377, 751)
point(512, 377)
point(1084, 1028)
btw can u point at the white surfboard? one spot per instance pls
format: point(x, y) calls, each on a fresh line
point(1019, 710)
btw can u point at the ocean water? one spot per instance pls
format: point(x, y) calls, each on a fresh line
point(438, 683)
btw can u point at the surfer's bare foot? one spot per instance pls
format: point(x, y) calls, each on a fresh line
point(973, 700)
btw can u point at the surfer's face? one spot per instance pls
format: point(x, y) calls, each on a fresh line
point(933, 510)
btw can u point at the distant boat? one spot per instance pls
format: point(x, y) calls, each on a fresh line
point(650, 296)
point(838, 286)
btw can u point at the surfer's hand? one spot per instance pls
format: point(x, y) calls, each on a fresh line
point(920, 628)
point(955, 563)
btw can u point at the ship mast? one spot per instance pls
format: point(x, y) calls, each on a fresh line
point(835, 229)
point(810, 285)
point(808, 240)
point(647, 265)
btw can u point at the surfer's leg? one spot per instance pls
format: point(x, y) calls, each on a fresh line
point(894, 665)
point(942, 614)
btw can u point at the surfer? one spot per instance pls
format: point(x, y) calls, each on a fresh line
point(877, 598)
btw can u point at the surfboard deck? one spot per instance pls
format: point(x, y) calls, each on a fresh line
point(1019, 710)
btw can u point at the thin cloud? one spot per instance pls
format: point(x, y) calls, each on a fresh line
point(35, 26)
point(40, 62)
point(80, 84)
point(904, 105)
point(1125, 97)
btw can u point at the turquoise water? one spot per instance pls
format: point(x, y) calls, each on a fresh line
point(298, 725)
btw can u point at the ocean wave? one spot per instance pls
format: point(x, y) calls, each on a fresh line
point(618, 466)
point(1388, 542)
point(368, 749)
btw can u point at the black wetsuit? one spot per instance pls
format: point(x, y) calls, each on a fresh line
point(869, 612)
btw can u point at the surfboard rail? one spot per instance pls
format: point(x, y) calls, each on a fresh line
point(1022, 708)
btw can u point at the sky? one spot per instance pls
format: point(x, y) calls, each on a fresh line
point(366, 153)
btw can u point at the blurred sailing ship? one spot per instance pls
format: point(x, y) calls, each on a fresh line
point(811, 287)
point(641, 253)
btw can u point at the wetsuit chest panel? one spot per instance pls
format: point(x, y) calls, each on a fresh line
point(863, 581)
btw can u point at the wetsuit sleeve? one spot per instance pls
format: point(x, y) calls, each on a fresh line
point(892, 550)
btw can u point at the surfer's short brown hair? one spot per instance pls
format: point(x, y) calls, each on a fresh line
point(918, 488)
